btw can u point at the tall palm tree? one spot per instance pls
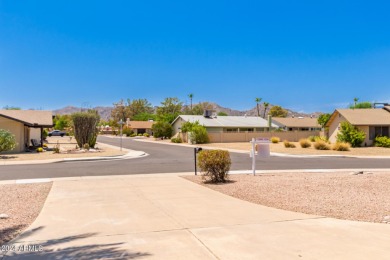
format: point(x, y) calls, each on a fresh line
point(355, 100)
point(266, 104)
point(258, 100)
point(191, 96)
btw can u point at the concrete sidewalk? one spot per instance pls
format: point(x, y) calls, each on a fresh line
point(167, 217)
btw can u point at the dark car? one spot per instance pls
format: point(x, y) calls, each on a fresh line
point(56, 133)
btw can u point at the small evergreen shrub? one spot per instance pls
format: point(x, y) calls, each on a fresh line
point(305, 143)
point(321, 138)
point(39, 150)
point(275, 139)
point(350, 134)
point(287, 144)
point(162, 129)
point(321, 145)
point(7, 141)
point(146, 135)
point(312, 138)
point(382, 141)
point(86, 146)
point(199, 135)
point(340, 146)
point(133, 135)
point(127, 131)
point(139, 134)
point(214, 165)
point(176, 140)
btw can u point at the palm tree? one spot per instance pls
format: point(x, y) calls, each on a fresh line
point(266, 104)
point(258, 100)
point(191, 96)
point(355, 100)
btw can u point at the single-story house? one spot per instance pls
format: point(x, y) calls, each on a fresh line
point(297, 123)
point(141, 127)
point(25, 125)
point(224, 123)
point(373, 122)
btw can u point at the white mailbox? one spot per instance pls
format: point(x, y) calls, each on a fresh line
point(260, 148)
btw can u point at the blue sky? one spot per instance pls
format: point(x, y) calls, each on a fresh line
point(303, 55)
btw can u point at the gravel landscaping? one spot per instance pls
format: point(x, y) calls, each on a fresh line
point(20, 204)
point(361, 197)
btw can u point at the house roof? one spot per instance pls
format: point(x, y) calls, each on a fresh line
point(296, 122)
point(30, 117)
point(141, 124)
point(367, 116)
point(387, 108)
point(226, 121)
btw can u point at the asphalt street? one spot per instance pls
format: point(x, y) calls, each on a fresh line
point(167, 159)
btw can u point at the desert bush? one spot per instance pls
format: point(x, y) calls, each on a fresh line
point(312, 138)
point(176, 140)
point(199, 135)
point(305, 143)
point(133, 135)
point(146, 135)
point(321, 138)
point(56, 148)
point(350, 134)
point(139, 134)
point(127, 131)
point(214, 164)
point(7, 141)
point(287, 144)
point(39, 150)
point(44, 134)
point(321, 145)
point(275, 139)
point(340, 146)
point(162, 129)
point(85, 127)
point(382, 141)
point(86, 146)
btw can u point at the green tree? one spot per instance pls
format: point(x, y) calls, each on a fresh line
point(162, 129)
point(11, 108)
point(7, 141)
point(361, 105)
point(323, 119)
point(62, 122)
point(85, 127)
point(120, 110)
point(170, 108)
point(266, 104)
point(144, 117)
point(278, 111)
point(197, 133)
point(350, 134)
point(258, 100)
point(222, 114)
point(355, 100)
point(139, 106)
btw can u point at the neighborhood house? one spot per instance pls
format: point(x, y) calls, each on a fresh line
point(374, 122)
point(25, 125)
point(141, 127)
point(297, 123)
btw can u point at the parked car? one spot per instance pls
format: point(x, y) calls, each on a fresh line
point(56, 133)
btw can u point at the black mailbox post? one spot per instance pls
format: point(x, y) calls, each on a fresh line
point(196, 150)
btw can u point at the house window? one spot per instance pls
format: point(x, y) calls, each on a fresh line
point(246, 129)
point(232, 130)
point(378, 131)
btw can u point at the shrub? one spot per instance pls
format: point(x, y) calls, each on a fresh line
point(7, 141)
point(45, 145)
point(275, 139)
point(382, 141)
point(214, 164)
point(162, 129)
point(321, 138)
point(305, 143)
point(85, 127)
point(86, 146)
point(321, 145)
point(133, 135)
point(287, 144)
point(350, 134)
point(56, 148)
point(312, 138)
point(146, 135)
point(176, 140)
point(199, 135)
point(39, 150)
point(139, 134)
point(339, 146)
point(45, 134)
point(127, 131)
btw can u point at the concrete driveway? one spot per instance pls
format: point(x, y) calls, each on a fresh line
point(167, 217)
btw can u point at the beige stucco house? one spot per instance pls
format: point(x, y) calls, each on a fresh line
point(25, 125)
point(229, 124)
point(141, 127)
point(297, 123)
point(373, 122)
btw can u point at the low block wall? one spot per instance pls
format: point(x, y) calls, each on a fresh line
point(293, 136)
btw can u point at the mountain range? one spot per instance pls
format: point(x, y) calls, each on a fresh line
point(105, 112)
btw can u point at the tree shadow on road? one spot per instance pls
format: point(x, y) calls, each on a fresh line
point(68, 247)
